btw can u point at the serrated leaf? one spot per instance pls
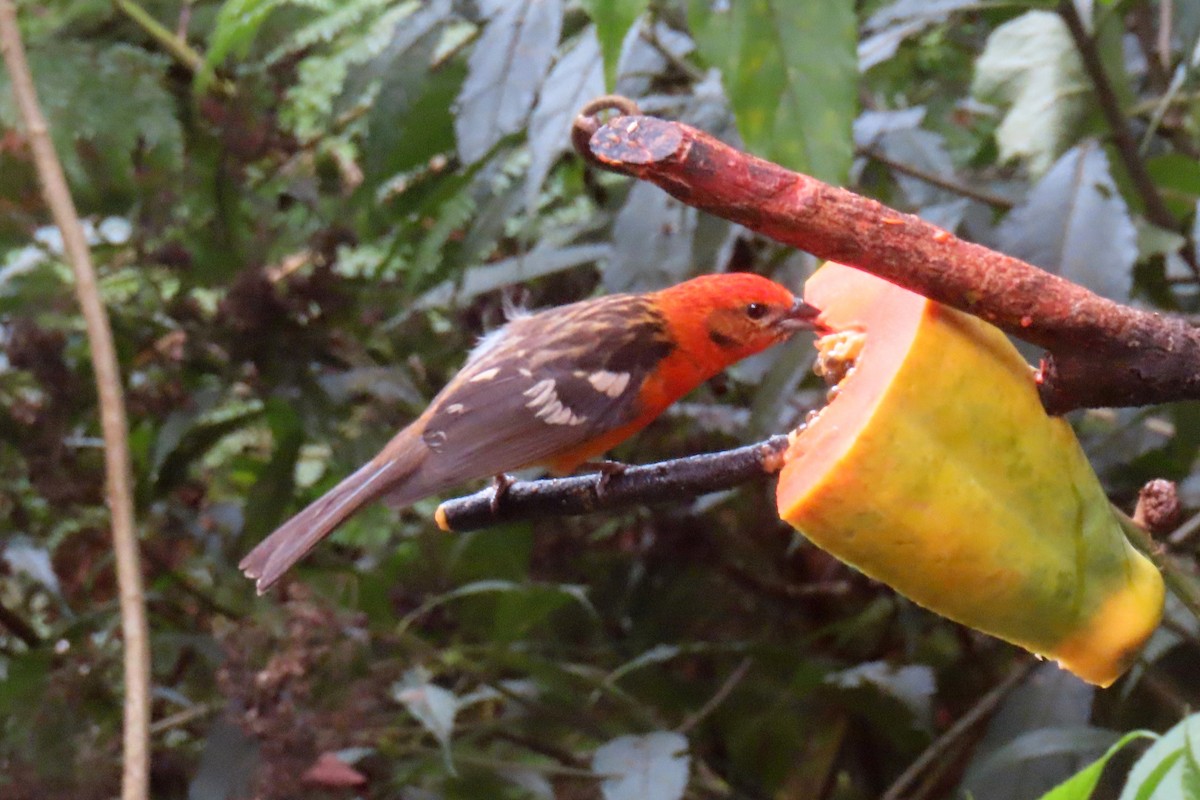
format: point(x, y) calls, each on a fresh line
point(652, 241)
point(791, 74)
point(504, 73)
point(402, 72)
point(339, 79)
point(1160, 772)
point(110, 98)
point(1075, 223)
point(1030, 64)
point(337, 19)
point(235, 29)
point(650, 767)
point(398, 142)
point(1081, 785)
point(574, 80)
point(613, 20)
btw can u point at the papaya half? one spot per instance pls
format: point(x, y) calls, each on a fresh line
point(934, 469)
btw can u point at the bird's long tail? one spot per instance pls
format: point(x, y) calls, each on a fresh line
point(394, 472)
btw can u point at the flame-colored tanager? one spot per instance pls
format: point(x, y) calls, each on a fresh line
point(558, 387)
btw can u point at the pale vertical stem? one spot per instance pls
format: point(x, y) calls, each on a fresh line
point(119, 481)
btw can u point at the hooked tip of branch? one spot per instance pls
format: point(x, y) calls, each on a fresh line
point(588, 121)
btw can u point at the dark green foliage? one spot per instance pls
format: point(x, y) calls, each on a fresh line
point(298, 244)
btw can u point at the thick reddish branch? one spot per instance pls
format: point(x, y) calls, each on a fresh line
point(1099, 353)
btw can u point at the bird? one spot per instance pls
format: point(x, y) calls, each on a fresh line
point(554, 388)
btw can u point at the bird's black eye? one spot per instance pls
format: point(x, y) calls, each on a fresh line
point(756, 310)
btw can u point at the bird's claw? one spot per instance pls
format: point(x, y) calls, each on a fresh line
point(500, 484)
point(605, 472)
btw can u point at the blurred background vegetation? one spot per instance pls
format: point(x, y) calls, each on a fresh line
point(305, 211)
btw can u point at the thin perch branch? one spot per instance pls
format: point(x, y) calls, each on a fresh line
point(136, 771)
point(665, 481)
point(1099, 353)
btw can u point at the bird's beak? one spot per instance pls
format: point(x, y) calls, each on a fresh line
point(801, 316)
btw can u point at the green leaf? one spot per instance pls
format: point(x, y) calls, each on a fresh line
point(575, 79)
point(1163, 770)
point(181, 442)
point(1031, 65)
point(613, 20)
point(652, 241)
point(112, 100)
point(1080, 785)
point(1146, 789)
point(403, 133)
point(433, 706)
point(505, 73)
point(357, 43)
point(790, 71)
point(1075, 223)
point(234, 31)
point(1190, 779)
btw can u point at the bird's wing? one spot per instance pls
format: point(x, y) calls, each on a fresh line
point(548, 383)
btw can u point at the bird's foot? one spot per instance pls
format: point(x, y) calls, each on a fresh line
point(500, 486)
point(605, 472)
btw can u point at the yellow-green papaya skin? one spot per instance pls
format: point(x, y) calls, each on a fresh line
point(936, 470)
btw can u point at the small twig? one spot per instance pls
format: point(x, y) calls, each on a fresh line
point(983, 709)
point(933, 179)
point(691, 71)
point(119, 480)
point(1099, 353)
point(180, 718)
point(1181, 581)
point(653, 483)
point(1123, 139)
point(1184, 533)
point(719, 697)
point(176, 46)
point(788, 592)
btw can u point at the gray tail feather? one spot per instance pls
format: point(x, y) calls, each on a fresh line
point(292, 540)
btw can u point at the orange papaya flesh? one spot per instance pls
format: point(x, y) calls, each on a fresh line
point(934, 469)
